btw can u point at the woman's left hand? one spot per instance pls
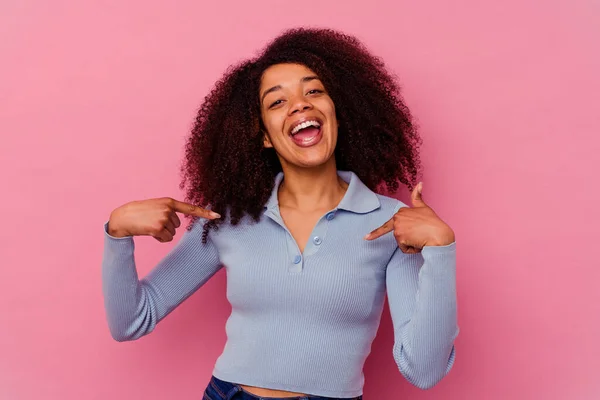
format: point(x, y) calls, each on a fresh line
point(416, 227)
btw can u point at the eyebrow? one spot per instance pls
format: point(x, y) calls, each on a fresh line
point(278, 87)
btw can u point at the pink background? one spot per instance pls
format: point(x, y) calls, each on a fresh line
point(96, 98)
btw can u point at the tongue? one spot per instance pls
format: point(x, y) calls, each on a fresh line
point(306, 133)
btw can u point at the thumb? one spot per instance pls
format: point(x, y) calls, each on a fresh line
point(416, 196)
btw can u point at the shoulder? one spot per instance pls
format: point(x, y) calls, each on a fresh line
point(389, 204)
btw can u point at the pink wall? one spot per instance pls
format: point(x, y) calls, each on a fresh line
point(95, 101)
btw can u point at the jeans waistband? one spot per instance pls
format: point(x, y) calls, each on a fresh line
point(231, 391)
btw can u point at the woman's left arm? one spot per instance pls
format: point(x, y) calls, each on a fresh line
point(421, 290)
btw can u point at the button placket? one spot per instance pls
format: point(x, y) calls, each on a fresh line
point(317, 236)
point(296, 261)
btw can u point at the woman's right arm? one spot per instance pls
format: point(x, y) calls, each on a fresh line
point(133, 306)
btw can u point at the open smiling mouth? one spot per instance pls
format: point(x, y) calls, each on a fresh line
point(307, 133)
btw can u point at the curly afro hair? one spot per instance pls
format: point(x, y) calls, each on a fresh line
point(226, 168)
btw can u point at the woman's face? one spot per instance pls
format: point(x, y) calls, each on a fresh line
point(298, 114)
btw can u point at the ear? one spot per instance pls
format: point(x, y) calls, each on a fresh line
point(266, 141)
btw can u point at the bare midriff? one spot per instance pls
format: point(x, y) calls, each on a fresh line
point(258, 391)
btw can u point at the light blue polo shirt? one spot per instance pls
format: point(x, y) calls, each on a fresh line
point(301, 322)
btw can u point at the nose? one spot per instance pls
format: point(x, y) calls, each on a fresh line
point(299, 104)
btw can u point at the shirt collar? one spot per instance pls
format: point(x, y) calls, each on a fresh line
point(358, 197)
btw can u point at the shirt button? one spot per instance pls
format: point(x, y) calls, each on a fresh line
point(329, 216)
point(297, 259)
point(317, 240)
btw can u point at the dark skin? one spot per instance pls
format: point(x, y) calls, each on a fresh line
point(153, 217)
point(416, 227)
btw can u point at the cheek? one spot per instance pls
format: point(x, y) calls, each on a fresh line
point(274, 124)
point(328, 108)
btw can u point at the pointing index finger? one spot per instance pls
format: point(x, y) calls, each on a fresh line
point(190, 209)
point(382, 230)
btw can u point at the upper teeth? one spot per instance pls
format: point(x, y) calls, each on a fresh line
point(305, 125)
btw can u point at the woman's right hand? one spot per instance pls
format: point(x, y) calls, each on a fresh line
point(152, 217)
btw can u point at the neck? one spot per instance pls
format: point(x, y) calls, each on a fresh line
point(311, 189)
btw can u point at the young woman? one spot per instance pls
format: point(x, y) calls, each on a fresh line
point(290, 148)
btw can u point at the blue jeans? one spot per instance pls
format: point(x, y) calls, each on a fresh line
point(222, 390)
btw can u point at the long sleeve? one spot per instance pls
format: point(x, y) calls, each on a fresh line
point(421, 290)
point(134, 307)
